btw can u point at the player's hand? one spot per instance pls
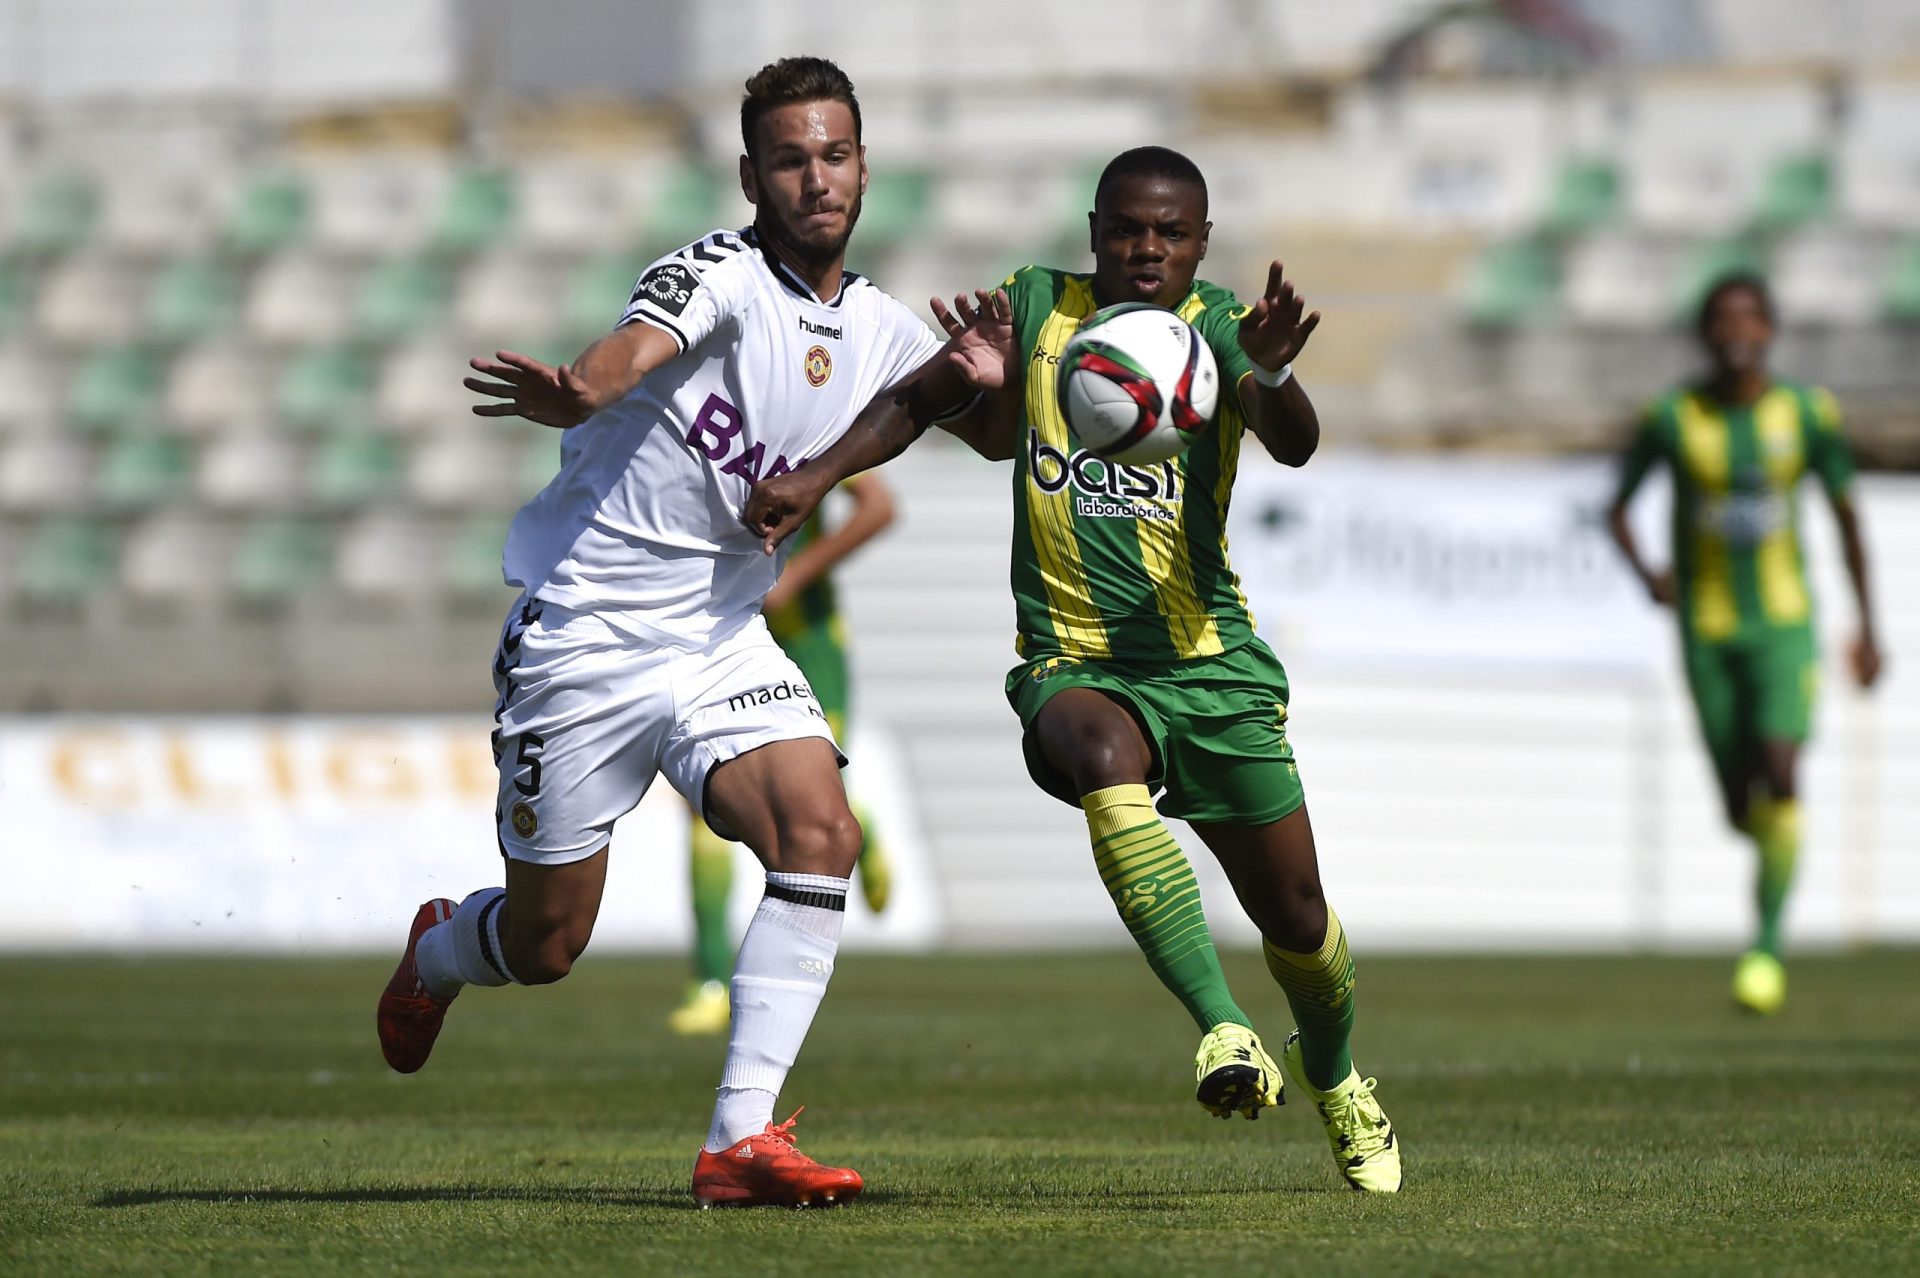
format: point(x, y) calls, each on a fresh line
point(1864, 656)
point(556, 397)
point(1272, 332)
point(1661, 588)
point(777, 507)
point(980, 333)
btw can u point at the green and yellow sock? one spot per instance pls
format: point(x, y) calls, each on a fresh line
point(1319, 989)
point(1153, 887)
point(712, 860)
point(1775, 827)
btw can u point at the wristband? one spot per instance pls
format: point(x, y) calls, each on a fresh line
point(1278, 378)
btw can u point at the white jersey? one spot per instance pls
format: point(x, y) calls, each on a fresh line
point(643, 524)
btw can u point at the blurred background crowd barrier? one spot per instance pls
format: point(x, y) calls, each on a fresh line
point(246, 246)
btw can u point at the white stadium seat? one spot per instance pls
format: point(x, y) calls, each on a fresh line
point(387, 556)
point(250, 472)
point(91, 299)
point(218, 387)
point(419, 386)
point(300, 298)
point(174, 556)
point(44, 472)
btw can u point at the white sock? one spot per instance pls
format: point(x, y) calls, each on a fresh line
point(465, 950)
point(779, 978)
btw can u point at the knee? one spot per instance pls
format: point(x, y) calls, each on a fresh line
point(1097, 757)
point(541, 956)
point(1297, 920)
point(826, 842)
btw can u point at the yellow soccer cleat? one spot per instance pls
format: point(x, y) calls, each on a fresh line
point(876, 872)
point(1364, 1147)
point(1234, 1073)
point(706, 1011)
point(1759, 982)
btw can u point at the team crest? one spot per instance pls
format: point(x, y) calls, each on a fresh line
point(819, 366)
point(525, 823)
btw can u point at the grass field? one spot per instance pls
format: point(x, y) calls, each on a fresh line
point(1012, 1115)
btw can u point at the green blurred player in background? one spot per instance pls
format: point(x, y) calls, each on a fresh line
point(1739, 442)
point(803, 612)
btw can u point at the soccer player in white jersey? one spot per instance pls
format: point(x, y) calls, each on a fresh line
point(638, 646)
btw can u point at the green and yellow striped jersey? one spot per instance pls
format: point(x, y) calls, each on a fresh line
point(815, 608)
point(1111, 561)
point(1736, 512)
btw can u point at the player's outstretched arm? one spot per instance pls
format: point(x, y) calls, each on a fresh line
point(973, 360)
point(1273, 333)
point(567, 395)
point(1865, 656)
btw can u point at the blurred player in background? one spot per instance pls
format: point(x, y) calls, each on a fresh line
point(1739, 442)
point(1141, 669)
point(803, 614)
point(638, 646)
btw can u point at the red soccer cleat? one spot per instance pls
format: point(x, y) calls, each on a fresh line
point(770, 1170)
point(409, 1017)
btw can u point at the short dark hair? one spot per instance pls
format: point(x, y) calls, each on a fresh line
point(1741, 281)
point(793, 80)
point(1151, 161)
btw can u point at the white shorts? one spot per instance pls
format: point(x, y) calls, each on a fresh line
point(589, 714)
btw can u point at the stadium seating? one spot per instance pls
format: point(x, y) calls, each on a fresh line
point(246, 371)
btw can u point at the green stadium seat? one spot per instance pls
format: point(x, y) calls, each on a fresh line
point(272, 214)
point(896, 207)
point(596, 293)
point(323, 387)
point(119, 388)
point(67, 561)
point(479, 210)
point(13, 294)
point(1707, 264)
point(192, 299)
point(1902, 296)
point(1586, 193)
point(57, 215)
point(1512, 283)
point(353, 468)
point(688, 204)
point(140, 470)
point(279, 559)
point(400, 298)
point(541, 462)
point(1798, 189)
point(473, 559)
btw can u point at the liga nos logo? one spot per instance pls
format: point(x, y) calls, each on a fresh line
point(1104, 489)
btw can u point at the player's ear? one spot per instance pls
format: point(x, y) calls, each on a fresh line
point(863, 170)
point(1206, 229)
point(1093, 232)
point(749, 185)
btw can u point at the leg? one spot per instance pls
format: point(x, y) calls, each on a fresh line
point(785, 802)
point(1276, 876)
point(1097, 745)
point(579, 717)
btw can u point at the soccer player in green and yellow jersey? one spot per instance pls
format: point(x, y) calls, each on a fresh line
point(803, 613)
point(1739, 443)
point(1140, 670)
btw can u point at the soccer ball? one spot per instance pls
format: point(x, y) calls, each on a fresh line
point(1137, 383)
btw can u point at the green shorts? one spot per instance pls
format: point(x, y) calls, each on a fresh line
point(822, 657)
point(1751, 689)
point(1217, 727)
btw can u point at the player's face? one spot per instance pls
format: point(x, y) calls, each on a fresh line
point(808, 179)
point(1737, 332)
point(1149, 236)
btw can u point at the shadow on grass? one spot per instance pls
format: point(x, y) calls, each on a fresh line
point(1128, 1200)
point(416, 1194)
